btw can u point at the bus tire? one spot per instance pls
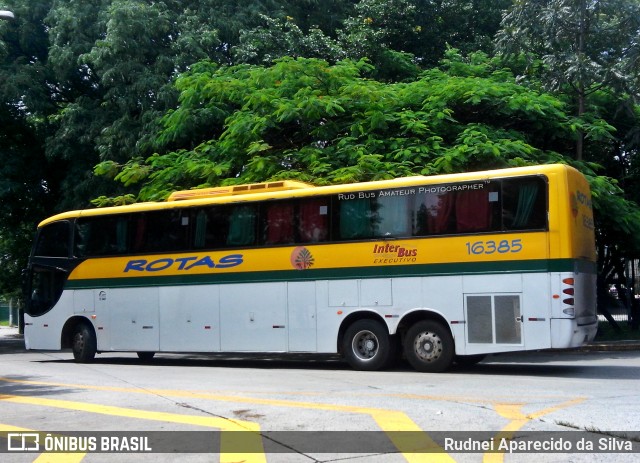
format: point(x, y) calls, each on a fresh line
point(146, 356)
point(84, 343)
point(366, 345)
point(429, 346)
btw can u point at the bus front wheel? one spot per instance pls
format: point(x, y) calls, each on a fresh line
point(366, 345)
point(429, 347)
point(84, 344)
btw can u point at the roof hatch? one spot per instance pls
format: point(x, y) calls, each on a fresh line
point(233, 190)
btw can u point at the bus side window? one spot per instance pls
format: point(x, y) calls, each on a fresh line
point(200, 232)
point(53, 240)
point(162, 231)
point(475, 210)
point(242, 226)
point(211, 227)
point(101, 236)
point(524, 204)
point(356, 218)
point(313, 220)
point(279, 223)
point(393, 216)
point(434, 214)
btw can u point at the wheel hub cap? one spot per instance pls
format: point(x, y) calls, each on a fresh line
point(365, 345)
point(428, 346)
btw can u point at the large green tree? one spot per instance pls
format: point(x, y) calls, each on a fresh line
point(396, 35)
point(27, 177)
point(310, 120)
point(584, 45)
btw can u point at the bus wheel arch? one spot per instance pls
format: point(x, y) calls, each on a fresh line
point(427, 341)
point(364, 341)
point(79, 335)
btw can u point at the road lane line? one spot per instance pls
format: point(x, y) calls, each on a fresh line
point(518, 419)
point(416, 446)
point(390, 421)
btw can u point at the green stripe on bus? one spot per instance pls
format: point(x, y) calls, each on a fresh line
point(400, 271)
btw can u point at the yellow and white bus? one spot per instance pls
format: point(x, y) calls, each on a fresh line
point(439, 269)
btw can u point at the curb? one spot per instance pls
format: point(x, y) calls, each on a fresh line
point(611, 346)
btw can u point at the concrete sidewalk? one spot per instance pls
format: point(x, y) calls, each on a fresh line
point(9, 332)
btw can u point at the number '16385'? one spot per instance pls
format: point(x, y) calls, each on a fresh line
point(492, 247)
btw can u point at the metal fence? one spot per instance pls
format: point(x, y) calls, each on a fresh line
point(9, 313)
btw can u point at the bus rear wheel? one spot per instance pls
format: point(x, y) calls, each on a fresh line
point(83, 344)
point(429, 347)
point(366, 345)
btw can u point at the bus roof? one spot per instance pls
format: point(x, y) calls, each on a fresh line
point(288, 189)
point(217, 192)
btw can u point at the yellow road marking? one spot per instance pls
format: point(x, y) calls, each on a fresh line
point(254, 441)
point(417, 446)
point(518, 419)
point(388, 420)
point(412, 446)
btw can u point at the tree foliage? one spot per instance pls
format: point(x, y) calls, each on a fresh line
point(310, 120)
point(396, 36)
point(584, 45)
point(183, 94)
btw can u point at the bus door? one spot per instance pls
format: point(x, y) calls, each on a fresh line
point(493, 313)
point(253, 317)
point(502, 321)
point(190, 318)
point(302, 316)
point(133, 318)
point(493, 319)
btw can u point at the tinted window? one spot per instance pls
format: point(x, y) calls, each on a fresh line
point(242, 225)
point(356, 217)
point(303, 220)
point(313, 220)
point(53, 240)
point(46, 288)
point(102, 236)
point(162, 231)
point(471, 207)
point(457, 208)
point(524, 203)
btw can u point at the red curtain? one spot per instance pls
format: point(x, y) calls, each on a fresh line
point(280, 223)
point(313, 221)
point(473, 211)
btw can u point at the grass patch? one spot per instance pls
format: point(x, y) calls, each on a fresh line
point(4, 322)
point(607, 333)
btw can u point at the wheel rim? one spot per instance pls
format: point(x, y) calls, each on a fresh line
point(365, 345)
point(428, 346)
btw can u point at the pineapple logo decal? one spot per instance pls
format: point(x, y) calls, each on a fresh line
point(301, 258)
